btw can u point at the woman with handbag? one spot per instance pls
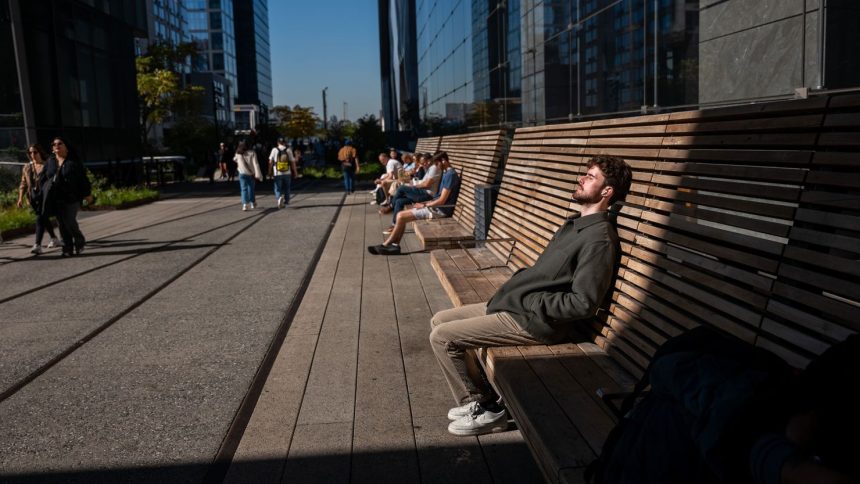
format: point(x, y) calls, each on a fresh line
point(249, 169)
point(65, 187)
point(32, 180)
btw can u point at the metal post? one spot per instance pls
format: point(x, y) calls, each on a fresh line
point(325, 110)
point(656, 49)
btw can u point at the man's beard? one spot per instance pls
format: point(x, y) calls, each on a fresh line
point(583, 198)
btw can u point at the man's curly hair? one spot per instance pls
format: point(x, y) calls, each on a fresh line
point(617, 173)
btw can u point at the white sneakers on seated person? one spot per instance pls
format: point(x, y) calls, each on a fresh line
point(473, 419)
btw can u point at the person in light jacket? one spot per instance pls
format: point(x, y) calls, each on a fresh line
point(249, 171)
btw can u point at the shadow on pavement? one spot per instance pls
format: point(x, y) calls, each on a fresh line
point(437, 463)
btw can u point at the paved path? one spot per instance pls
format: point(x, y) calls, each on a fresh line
point(145, 359)
point(355, 394)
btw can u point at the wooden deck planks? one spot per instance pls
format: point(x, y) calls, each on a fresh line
point(356, 395)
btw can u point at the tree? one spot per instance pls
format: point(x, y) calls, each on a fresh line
point(159, 85)
point(369, 137)
point(297, 121)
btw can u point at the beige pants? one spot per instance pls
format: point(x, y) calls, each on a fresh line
point(467, 327)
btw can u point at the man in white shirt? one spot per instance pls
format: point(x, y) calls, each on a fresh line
point(422, 191)
point(392, 170)
point(282, 164)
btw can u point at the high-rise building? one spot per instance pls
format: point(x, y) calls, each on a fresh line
point(167, 23)
point(483, 63)
point(254, 94)
point(72, 74)
point(399, 65)
point(254, 65)
point(211, 26)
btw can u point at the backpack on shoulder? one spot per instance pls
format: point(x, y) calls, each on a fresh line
point(283, 161)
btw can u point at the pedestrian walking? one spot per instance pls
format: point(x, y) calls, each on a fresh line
point(66, 185)
point(282, 167)
point(225, 157)
point(249, 171)
point(32, 181)
point(348, 158)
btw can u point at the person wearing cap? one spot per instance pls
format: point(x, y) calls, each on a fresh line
point(349, 164)
point(282, 165)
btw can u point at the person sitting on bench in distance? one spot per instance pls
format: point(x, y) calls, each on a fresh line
point(422, 191)
point(538, 305)
point(392, 171)
point(441, 206)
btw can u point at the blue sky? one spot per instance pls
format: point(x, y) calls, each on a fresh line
point(319, 43)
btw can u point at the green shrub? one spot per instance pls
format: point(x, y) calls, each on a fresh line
point(15, 218)
point(113, 197)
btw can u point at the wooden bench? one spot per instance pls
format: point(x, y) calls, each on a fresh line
point(476, 157)
point(428, 145)
point(743, 218)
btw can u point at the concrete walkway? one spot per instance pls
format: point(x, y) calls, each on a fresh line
point(138, 361)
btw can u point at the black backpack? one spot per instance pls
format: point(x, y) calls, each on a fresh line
point(710, 395)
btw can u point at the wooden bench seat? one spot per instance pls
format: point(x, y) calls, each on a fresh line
point(745, 218)
point(476, 157)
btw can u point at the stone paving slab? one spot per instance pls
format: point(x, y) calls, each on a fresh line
point(151, 397)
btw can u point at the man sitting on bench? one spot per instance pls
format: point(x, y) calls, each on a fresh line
point(539, 304)
point(441, 206)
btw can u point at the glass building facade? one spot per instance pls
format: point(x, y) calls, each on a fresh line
point(399, 71)
point(509, 63)
point(210, 24)
point(486, 63)
point(71, 73)
point(254, 64)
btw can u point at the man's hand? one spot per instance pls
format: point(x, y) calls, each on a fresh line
point(419, 205)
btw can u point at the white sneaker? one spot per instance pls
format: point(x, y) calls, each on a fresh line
point(479, 422)
point(463, 410)
point(244, 207)
point(54, 243)
point(282, 202)
point(373, 202)
point(37, 249)
point(253, 205)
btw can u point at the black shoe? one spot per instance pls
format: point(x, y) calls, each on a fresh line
point(384, 249)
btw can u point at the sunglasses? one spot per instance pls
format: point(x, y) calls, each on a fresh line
point(57, 143)
point(32, 152)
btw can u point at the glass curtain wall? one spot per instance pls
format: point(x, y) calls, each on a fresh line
point(585, 58)
point(210, 23)
point(484, 64)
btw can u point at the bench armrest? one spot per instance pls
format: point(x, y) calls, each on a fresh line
point(610, 398)
point(462, 245)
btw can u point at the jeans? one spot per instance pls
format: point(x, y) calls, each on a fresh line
point(349, 180)
point(282, 187)
point(67, 217)
point(407, 195)
point(469, 327)
point(43, 223)
point(246, 187)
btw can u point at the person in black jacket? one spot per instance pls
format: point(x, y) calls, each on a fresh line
point(66, 186)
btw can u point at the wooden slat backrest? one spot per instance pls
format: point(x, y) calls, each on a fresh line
point(428, 145)
point(716, 218)
point(476, 157)
point(815, 301)
point(542, 171)
point(725, 205)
